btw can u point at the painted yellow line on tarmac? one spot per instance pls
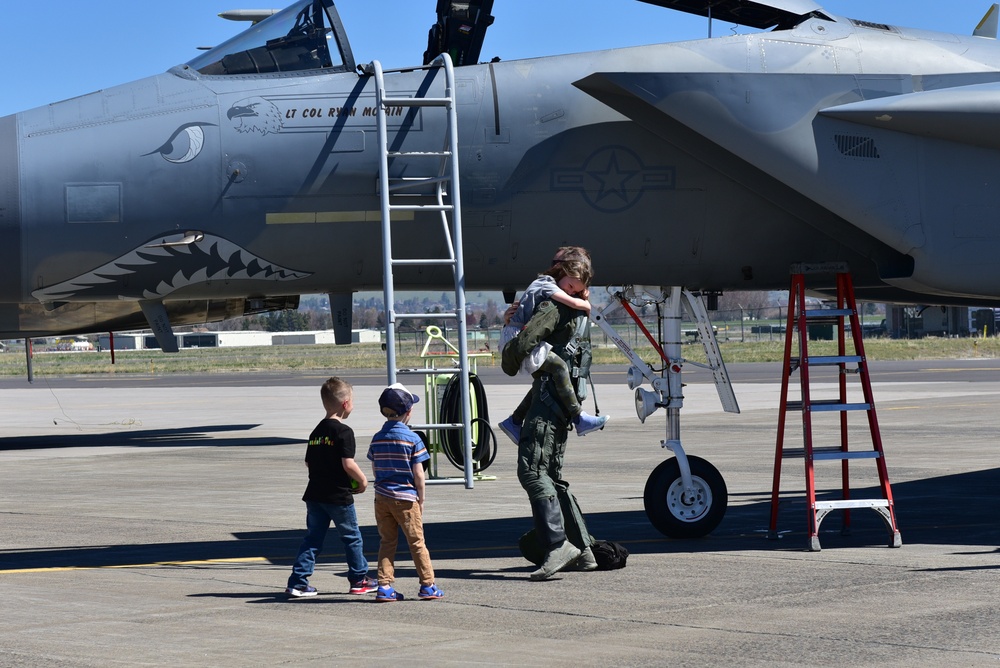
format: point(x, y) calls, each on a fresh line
point(202, 562)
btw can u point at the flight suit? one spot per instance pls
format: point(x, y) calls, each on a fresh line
point(544, 432)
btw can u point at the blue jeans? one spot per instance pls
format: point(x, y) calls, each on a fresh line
point(318, 518)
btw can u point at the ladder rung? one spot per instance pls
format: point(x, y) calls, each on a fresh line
point(836, 454)
point(831, 453)
point(428, 262)
point(852, 503)
point(421, 207)
point(832, 405)
point(418, 154)
point(827, 405)
point(396, 186)
point(828, 360)
point(416, 101)
point(816, 314)
point(793, 452)
point(419, 179)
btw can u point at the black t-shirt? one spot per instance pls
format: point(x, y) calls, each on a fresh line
point(329, 443)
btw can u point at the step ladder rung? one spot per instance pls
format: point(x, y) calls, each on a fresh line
point(832, 453)
point(816, 314)
point(826, 406)
point(836, 454)
point(829, 360)
point(852, 503)
point(832, 406)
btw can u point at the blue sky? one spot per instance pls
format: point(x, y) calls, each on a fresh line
point(62, 48)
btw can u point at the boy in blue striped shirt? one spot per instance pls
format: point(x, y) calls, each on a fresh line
point(398, 455)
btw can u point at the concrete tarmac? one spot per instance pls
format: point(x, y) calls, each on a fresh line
point(155, 525)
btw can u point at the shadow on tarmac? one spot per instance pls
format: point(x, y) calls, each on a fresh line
point(957, 509)
point(146, 438)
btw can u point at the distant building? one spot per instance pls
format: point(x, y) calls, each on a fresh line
point(324, 337)
point(146, 341)
point(233, 339)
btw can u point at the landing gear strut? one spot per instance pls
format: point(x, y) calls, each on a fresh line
point(685, 497)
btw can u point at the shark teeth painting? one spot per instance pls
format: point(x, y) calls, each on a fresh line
point(166, 264)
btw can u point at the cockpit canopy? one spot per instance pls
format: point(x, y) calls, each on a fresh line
point(308, 35)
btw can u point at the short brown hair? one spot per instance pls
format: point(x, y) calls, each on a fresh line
point(566, 253)
point(574, 269)
point(335, 391)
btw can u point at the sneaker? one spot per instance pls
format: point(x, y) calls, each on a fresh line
point(586, 423)
point(364, 586)
point(430, 592)
point(301, 590)
point(512, 429)
point(386, 593)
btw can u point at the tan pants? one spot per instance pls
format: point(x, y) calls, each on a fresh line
point(391, 515)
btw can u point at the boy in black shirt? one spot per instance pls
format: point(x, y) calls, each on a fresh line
point(334, 479)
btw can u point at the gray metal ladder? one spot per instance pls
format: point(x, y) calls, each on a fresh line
point(799, 320)
point(440, 183)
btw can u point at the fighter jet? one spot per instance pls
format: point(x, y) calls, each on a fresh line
point(249, 175)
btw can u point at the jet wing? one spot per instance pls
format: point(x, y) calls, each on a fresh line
point(633, 95)
point(761, 15)
point(964, 114)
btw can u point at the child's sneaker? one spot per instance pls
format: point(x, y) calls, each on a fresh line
point(301, 590)
point(586, 423)
point(430, 592)
point(364, 586)
point(386, 593)
point(512, 429)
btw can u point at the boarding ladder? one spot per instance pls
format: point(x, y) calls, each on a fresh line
point(429, 185)
point(800, 320)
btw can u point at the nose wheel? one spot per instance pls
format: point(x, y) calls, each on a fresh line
point(680, 513)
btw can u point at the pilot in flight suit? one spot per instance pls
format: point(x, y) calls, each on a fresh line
point(559, 524)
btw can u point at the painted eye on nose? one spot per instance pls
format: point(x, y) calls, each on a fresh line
point(185, 144)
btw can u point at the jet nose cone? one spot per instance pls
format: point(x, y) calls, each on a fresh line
point(10, 212)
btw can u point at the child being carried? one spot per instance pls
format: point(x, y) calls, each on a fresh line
point(566, 283)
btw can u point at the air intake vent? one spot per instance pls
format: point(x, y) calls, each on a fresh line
point(873, 26)
point(854, 146)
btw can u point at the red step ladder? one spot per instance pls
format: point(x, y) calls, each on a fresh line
point(800, 319)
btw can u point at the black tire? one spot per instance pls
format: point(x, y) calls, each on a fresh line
point(670, 514)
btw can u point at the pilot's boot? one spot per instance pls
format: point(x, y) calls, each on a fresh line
point(585, 562)
point(551, 533)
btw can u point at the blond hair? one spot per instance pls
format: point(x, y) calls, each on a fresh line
point(335, 391)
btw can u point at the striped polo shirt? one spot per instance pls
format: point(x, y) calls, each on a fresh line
point(393, 452)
